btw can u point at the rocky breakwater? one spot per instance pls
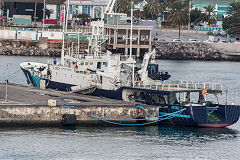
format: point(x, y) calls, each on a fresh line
point(188, 51)
point(36, 48)
point(28, 48)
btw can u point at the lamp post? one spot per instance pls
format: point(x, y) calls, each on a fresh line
point(189, 18)
point(6, 93)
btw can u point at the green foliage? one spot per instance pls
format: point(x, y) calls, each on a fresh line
point(124, 6)
point(56, 26)
point(179, 14)
point(81, 16)
point(232, 23)
point(235, 28)
point(152, 10)
point(196, 15)
point(209, 16)
point(228, 21)
point(209, 33)
point(235, 9)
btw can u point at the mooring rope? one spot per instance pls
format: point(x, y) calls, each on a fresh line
point(169, 116)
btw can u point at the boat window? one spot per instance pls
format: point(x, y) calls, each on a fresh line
point(99, 65)
point(86, 63)
point(101, 79)
point(91, 63)
point(82, 63)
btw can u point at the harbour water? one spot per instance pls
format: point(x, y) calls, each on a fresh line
point(150, 142)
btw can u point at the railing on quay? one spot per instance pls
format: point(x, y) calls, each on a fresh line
point(76, 30)
point(125, 57)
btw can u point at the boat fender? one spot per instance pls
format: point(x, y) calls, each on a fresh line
point(58, 66)
point(69, 119)
point(139, 110)
point(94, 80)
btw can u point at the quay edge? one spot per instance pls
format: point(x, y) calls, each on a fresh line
point(29, 106)
point(48, 116)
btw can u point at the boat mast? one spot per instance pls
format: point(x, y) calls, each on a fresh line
point(65, 23)
point(62, 52)
point(131, 38)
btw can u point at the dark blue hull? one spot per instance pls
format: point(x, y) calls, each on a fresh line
point(211, 116)
point(204, 116)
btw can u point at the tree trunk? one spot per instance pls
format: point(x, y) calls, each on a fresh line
point(179, 29)
point(35, 14)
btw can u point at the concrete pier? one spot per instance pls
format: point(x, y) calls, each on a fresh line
point(29, 106)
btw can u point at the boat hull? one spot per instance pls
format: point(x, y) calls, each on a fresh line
point(214, 116)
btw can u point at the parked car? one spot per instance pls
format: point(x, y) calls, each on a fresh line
point(161, 40)
point(193, 40)
point(176, 40)
point(223, 41)
point(155, 38)
point(208, 41)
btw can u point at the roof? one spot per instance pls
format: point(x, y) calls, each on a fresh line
point(213, 2)
point(37, 1)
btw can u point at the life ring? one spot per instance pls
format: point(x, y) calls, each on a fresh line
point(94, 80)
point(58, 66)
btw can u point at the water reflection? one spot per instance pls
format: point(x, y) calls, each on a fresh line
point(161, 142)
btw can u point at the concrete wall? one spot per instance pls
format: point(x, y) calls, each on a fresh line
point(27, 34)
point(10, 34)
point(182, 31)
point(53, 115)
point(226, 47)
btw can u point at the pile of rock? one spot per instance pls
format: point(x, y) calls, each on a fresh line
point(186, 51)
point(27, 48)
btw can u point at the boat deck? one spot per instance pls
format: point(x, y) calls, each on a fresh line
point(183, 86)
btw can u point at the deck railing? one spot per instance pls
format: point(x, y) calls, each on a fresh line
point(125, 57)
point(181, 86)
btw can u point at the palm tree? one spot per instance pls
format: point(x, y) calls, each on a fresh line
point(196, 16)
point(152, 9)
point(123, 6)
point(178, 14)
point(209, 16)
point(235, 9)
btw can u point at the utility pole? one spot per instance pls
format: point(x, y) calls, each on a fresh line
point(35, 14)
point(44, 13)
point(189, 18)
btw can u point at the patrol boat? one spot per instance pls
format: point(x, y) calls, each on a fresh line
point(117, 76)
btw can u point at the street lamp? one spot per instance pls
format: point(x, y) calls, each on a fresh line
point(189, 18)
point(6, 93)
